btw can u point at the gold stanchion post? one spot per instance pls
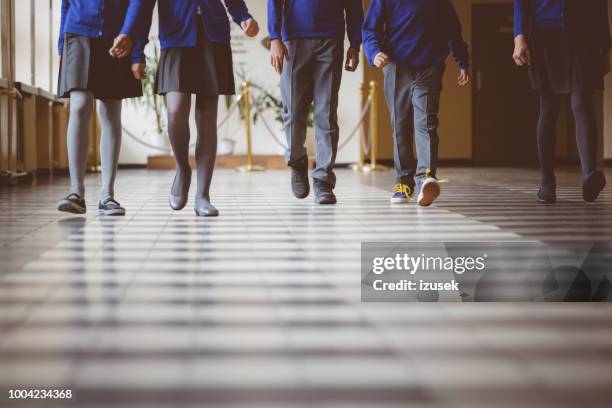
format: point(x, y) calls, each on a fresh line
point(246, 98)
point(374, 166)
point(361, 163)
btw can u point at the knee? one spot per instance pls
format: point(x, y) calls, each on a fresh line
point(580, 106)
point(81, 106)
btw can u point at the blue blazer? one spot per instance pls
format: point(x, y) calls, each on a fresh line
point(102, 19)
point(178, 20)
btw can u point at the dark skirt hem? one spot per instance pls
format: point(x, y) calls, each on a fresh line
point(206, 69)
point(87, 66)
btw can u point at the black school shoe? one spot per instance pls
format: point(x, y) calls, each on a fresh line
point(324, 193)
point(110, 207)
point(73, 204)
point(546, 196)
point(299, 179)
point(593, 185)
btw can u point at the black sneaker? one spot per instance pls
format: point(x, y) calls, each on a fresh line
point(73, 204)
point(592, 186)
point(110, 207)
point(324, 193)
point(299, 179)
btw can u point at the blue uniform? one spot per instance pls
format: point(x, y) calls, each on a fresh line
point(547, 15)
point(102, 19)
point(414, 33)
point(178, 20)
point(293, 19)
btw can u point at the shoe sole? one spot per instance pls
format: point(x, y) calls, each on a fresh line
point(326, 201)
point(116, 213)
point(429, 193)
point(70, 207)
point(208, 214)
point(593, 187)
point(400, 201)
point(546, 202)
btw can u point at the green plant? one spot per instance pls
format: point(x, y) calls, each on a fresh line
point(150, 101)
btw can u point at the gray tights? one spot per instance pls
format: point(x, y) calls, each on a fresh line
point(81, 106)
point(179, 108)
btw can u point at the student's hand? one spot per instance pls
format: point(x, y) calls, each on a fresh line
point(139, 71)
point(352, 60)
point(278, 55)
point(464, 78)
point(522, 55)
point(122, 46)
point(381, 60)
point(250, 27)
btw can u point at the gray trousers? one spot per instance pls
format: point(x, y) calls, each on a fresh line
point(312, 74)
point(413, 97)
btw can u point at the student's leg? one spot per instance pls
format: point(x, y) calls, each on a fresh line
point(110, 145)
point(81, 107)
point(179, 107)
point(297, 94)
point(550, 105)
point(426, 103)
point(398, 93)
point(586, 139)
point(327, 78)
point(206, 152)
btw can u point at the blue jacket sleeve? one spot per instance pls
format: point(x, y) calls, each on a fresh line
point(354, 21)
point(521, 9)
point(141, 30)
point(60, 42)
point(373, 30)
point(131, 17)
point(275, 18)
point(457, 45)
point(238, 10)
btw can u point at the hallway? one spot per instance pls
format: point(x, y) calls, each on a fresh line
point(261, 307)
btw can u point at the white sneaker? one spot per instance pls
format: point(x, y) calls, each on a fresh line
point(430, 190)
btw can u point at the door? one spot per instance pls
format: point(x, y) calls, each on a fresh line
point(505, 107)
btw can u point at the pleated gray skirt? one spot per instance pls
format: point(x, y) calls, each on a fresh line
point(206, 69)
point(86, 65)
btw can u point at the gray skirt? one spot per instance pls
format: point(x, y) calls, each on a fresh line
point(206, 69)
point(86, 65)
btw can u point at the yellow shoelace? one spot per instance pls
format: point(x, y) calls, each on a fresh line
point(403, 188)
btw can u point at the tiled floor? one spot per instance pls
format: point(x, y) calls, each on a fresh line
point(261, 307)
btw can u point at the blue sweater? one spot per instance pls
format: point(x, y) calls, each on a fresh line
point(415, 33)
point(102, 19)
point(291, 19)
point(178, 20)
point(547, 15)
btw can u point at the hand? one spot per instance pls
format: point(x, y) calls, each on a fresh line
point(139, 71)
point(122, 46)
point(381, 60)
point(522, 55)
point(464, 78)
point(250, 27)
point(352, 60)
point(278, 55)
